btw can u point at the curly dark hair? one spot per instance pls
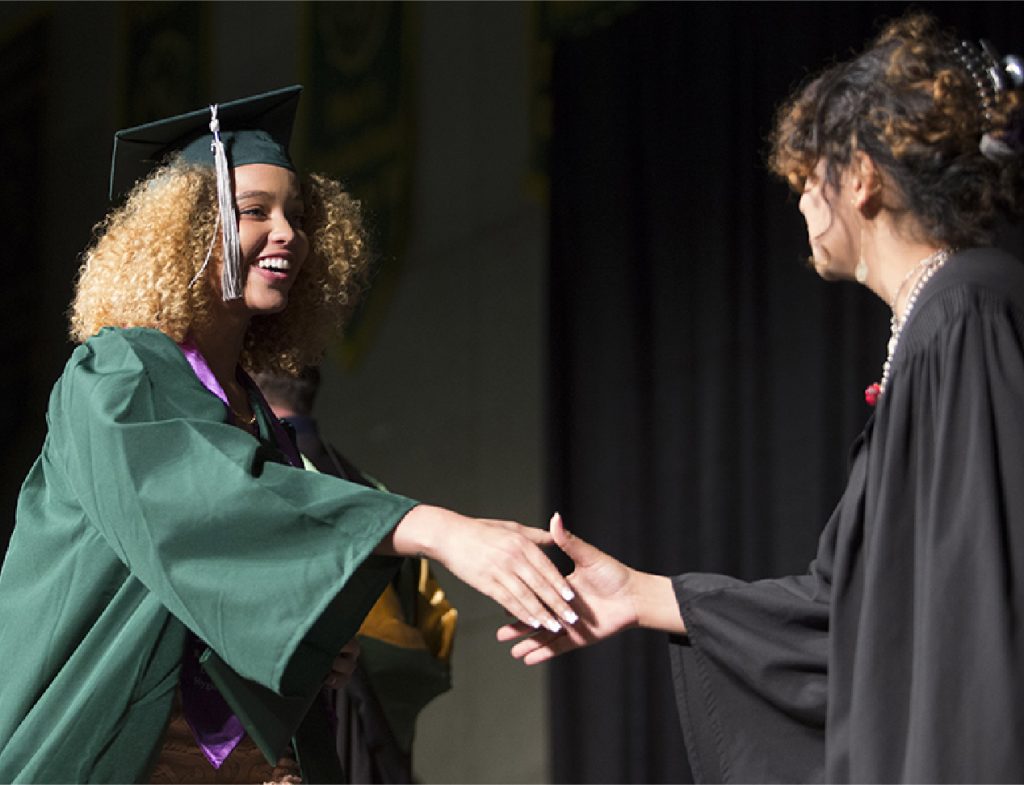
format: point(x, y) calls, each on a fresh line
point(908, 103)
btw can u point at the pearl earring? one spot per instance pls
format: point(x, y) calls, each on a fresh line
point(860, 272)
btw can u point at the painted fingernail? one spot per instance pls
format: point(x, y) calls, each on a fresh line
point(534, 623)
point(553, 625)
point(571, 617)
point(567, 594)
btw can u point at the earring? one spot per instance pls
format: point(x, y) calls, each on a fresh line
point(860, 272)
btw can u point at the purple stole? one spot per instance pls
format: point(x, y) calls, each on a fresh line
point(216, 729)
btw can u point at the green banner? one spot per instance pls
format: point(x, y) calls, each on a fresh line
point(166, 71)
point(358, 125)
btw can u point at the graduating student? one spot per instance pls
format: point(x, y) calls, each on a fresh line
point(171, 567)
point(899, 656)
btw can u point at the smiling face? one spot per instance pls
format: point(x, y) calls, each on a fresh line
point(274, 245)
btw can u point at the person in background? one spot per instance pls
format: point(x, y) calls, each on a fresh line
point(899, 655)
point(406, 640)
point(177, 588)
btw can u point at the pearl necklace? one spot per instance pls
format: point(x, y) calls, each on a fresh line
point(929, 265)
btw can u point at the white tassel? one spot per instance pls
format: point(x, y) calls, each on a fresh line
point(232, 285)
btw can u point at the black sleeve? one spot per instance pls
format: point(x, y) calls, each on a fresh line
point(750, 677)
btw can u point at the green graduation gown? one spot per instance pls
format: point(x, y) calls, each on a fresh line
point(147, 515)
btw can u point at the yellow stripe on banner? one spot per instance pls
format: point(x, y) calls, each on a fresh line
point(436, 619)
point(434, 631)
point(384, 622)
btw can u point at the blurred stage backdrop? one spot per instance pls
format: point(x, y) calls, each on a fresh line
point(589, 293)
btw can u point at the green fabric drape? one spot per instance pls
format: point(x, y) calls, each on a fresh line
point(147, 514)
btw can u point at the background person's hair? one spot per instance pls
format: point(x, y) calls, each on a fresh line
point(298, 393)
point(910, 104)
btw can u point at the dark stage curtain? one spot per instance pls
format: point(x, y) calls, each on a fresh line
point(23, 82)
point(704, 383)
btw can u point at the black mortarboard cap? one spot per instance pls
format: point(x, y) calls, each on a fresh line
point(254, 130)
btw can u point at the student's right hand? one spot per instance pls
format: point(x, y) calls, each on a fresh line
point(500, 559)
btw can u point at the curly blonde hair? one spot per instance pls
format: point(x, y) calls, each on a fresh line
point(908, 102)
point(138, 270)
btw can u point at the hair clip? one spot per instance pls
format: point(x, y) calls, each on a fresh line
point(983, 69)
point(992, 76)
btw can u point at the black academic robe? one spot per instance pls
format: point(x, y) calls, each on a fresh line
point(899, 656)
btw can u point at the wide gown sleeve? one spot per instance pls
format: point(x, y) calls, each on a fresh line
point(750, 677)
point(257, 558)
